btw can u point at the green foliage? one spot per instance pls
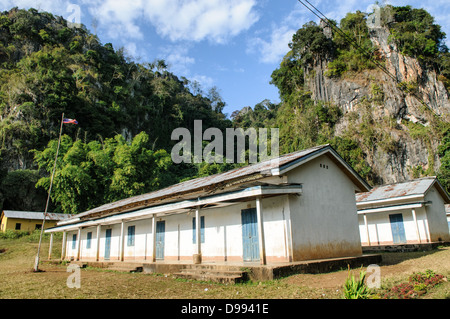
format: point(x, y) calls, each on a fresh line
point(304, 124)
point(13, 234)
point(309, 44)
point(444, 155)
point(416, 34)
point(352, 153)
point(350, 57)
point(94, 173)
point(356, 288)
point(47, 68)
point(262, 115)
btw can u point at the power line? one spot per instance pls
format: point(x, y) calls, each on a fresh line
point(366, 53)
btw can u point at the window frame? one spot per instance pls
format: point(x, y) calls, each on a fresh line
point(202, 230)
point(131, 235)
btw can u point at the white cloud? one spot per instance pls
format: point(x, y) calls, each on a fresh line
point(177, 20)
point(205, 81)
point(273, 49)
point(197, 20)
point(177, 58)
point(117, 17)
point(272, 46)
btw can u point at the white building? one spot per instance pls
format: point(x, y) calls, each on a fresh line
point(412, 212)
point(300, 206)
point(447, 211)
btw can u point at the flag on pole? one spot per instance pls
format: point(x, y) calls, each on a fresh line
point(70, 121)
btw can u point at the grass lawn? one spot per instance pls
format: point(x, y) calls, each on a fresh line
point(18, 281)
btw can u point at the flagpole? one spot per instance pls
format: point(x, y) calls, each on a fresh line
point(36, 262)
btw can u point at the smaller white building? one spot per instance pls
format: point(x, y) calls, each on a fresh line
point(411, 212)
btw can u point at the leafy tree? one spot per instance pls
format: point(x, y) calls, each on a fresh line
point(444, 154)
point(310, 44)
point(94, 173)
point(47, 68)
point(416, 34)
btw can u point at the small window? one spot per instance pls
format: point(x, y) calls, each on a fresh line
point(88, 241)
point(18, 225)
point(131, 233)
point(202, 230)
point(38, 227)
point(74, 241)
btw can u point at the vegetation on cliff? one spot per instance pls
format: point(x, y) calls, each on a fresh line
point(347, 53)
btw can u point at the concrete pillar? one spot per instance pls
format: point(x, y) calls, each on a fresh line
point(154, 238)
point(262, 246)
point(122, 240)
point(63, 248)
point(79, 244)
point(367, 228)
point(413, 211)
point(50, 247)
point(97, 249)
point(198, 256)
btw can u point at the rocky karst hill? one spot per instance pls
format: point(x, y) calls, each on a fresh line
point(377, 93)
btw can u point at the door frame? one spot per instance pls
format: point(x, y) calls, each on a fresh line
point(398, 229)
point(250, 235)
point(108, 236)
point(160, 239)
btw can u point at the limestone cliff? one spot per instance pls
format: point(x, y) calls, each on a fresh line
point(401, 144)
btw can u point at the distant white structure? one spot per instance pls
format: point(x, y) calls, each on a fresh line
point(299, 207)
point(404, 213)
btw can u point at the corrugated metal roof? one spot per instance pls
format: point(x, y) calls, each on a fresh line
point(414, 187)
point(216, 184)
point(208, 181)
point(35, 215)
point(203, 183)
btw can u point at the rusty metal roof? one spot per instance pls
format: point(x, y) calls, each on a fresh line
point(415, 187)
point(217, 183)
point(35, 215)
point(204, 183)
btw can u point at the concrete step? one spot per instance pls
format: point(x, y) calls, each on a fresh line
point(116, 266)
point(126, 267)
point(211, 274)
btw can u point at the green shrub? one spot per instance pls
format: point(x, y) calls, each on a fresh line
point(13, 234)
point(356, 289)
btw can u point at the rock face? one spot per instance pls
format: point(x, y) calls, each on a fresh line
point(380, 93)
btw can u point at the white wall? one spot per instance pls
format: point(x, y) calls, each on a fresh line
point(380, 231)
point(223, 235)
point(437, 216)
point(324, 217)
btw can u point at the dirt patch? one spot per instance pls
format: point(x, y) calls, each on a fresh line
point(393, 265)
point(331, 280)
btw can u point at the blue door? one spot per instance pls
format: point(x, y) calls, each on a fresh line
point(160, 230)
point(398, 230)
point(250, 241)
point(108, 243)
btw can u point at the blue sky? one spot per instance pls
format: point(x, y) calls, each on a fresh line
point(233, 45)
